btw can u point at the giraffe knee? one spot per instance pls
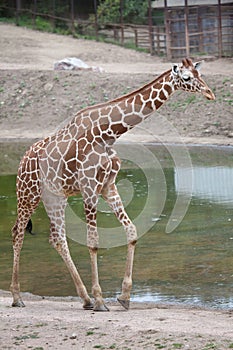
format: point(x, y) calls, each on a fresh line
point(131, 232)
point(17, 233)
point(93, 241)
point(92, 238)
point(56, 241)
point(14, 231)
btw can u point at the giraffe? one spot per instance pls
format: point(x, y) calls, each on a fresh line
point(79, 158)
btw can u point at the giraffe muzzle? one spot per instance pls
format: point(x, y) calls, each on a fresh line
point(209, 94)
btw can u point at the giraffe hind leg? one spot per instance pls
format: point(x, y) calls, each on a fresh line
point(17, 246)
point(55, 208)
point(18, 232)
point(28, 198)
point(26, 206)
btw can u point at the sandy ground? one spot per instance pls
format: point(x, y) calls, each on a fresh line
point(54, 323)
point(34, 100)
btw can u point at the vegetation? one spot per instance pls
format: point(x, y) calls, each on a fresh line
point(132, 11)
point(56, 18)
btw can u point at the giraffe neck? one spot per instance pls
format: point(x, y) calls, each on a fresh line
point(129, 110)
point(147, 99)
point(108, 121)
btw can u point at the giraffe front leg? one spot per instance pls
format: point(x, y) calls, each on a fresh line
point(124, 298)
point(96, 289)
point(61, 246)
point(112, 197)
point(93, 243)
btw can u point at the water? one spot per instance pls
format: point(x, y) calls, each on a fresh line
point(191, 265)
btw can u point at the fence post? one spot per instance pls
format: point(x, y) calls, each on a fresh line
point(72, 15)
point(200, 30)
point(34, 14)
point(136, 36)
point(52, 20)
point(18, 9)
point(219, 29)
point(167, 28)
point(96, 20)
point(122, 22)
point(158, 40)
point(186, 14)
point(150, 23)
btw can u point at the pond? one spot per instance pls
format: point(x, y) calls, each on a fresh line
point(183, 255)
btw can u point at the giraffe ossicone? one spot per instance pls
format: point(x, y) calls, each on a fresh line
point(79, 158)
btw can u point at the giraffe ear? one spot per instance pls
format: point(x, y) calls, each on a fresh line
point(175, 69)
point(197, 65)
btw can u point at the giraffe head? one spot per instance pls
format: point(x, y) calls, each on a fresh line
point(187, 77)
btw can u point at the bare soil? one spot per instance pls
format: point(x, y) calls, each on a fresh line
point(53, 323)
point(34, 101)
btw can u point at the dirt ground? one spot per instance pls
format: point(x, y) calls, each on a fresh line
point(54, 323)
point(34, 101)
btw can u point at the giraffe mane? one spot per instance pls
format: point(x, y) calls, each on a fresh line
point(128, 95)
point(143, 87)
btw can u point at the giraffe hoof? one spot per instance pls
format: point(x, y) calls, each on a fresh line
point(101, 307)
point(124, 303)
point(18, 303)
point(88, 306)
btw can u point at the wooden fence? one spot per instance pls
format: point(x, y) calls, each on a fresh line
point(151, 39)
point(199, 30)
point(187, 30)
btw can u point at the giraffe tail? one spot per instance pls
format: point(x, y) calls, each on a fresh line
point(29, 227)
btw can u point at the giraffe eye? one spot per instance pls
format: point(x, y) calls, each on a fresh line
point(186, 78)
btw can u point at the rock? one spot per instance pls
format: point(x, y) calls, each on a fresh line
point(73, 63)
point(48, 87)
point(73, 336)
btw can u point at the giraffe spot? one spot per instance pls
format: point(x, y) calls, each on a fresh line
point(90, 134)
point(105, 110)
point(94, 115)
point(99, 139)
point(114, 115)
point(34, 189)
point(34, 175)
point(132, 120)
point(154, 94)
point(93, 157)
point(162, 95)
point(146, 95)
point(101, 175)
point(158, 104)
point(168, 88)
point(118, 129)
point(104, 125)
point(148, 107)
point(138, 100)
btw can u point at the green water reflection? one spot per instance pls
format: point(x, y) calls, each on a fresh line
point(193, 264)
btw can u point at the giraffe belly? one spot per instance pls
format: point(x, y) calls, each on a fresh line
point(59, 185)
